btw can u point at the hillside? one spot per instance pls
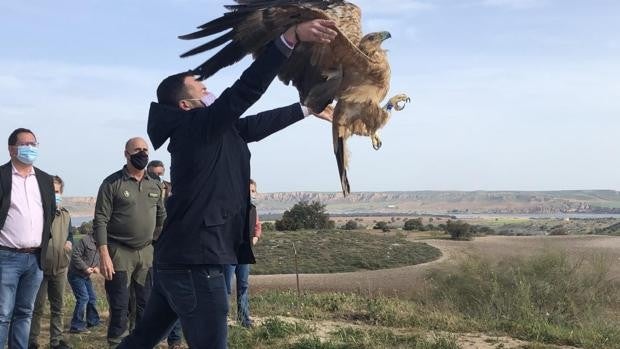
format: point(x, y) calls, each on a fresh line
point(435, 202)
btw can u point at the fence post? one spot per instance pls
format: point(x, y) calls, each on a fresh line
point(296, 271)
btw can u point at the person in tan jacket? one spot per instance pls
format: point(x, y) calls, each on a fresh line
point(57, 259)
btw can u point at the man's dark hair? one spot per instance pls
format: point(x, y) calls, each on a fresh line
point(14, 134)
point(155, 163)
point(172, 89)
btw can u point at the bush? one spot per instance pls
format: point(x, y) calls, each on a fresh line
point(351, 225)
point(558, 230)
point(305, 215)
point(268, 226)
point(413, 224)
point(381, 225)
point(459, 230)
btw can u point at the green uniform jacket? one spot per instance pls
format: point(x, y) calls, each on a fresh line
point(127, 211)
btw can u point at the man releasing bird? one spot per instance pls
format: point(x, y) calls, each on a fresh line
point(352, 70)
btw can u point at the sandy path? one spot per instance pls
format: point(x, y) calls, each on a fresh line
point(403, 281)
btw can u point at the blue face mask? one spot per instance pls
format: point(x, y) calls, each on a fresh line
point(58, 199)
point(253, 200)
point(27, 154)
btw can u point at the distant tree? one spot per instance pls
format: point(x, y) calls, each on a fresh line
point(86, 228)
point(304, 215)
point(413, 224)
point(459, 230)
point(429, 227)
point(430, 219)
point(351, 225)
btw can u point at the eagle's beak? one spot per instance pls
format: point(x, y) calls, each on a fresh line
point(385, 35)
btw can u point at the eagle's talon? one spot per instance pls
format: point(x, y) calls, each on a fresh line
point(398, 102)
point(376, 142)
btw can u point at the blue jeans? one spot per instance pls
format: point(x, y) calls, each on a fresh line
point(242, 274)
point(196, 294)
point(20, 279)
point(176, 334)
point(85, 313)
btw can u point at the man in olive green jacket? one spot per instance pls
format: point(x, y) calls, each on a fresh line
point(128, 210)
point(57, 259)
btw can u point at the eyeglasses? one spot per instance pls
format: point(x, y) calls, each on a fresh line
point(31, 144)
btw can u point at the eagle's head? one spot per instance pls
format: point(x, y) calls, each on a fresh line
point(371, 42)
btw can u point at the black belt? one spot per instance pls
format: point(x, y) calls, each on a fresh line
point(21, 250)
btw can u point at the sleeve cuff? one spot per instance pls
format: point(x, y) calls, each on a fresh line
point(283, 46)
point(305, 110)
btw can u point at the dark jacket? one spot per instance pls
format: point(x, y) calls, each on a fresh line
point(46, 187)
point(84, 255)
point(207, 219)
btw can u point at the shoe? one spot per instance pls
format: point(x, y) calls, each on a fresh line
point(175, 346)
point(61, 345)
point(94, 325)
point(82, 331)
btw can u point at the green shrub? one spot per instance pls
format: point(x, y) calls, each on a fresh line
point(304, 215)
point(413, 224)
point(459, 230)
point(351, 225)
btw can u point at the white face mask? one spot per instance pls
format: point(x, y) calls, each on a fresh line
point(208, 99)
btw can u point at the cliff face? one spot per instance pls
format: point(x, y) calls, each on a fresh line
point(508, 202)
point(80, 206)
point(595, 201)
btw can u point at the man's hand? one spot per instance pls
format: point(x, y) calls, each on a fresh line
point(254, 240)
point(327, 114)
point(68, 246)
point(106, 265)
point(96, 270)
point(317, 30)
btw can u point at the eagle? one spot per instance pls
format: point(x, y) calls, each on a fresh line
point(352, 70)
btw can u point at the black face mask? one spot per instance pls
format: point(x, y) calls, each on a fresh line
point(139, 160)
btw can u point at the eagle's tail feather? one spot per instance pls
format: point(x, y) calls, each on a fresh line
point(229, 55)
point(227, 21)
point(340, 152)
point(209, 45)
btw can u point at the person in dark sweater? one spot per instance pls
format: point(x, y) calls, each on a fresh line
point(84, 263)
point(207, 225)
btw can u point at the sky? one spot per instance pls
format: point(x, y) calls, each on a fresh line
point(506, 94)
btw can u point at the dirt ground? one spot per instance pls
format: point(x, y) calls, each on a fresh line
point(403, 281)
